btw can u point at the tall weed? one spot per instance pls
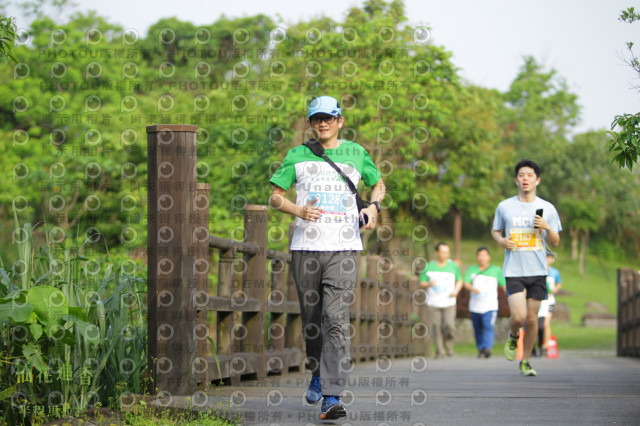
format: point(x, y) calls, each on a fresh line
point(72, 328)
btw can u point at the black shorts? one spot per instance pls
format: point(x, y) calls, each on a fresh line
point(536, 286)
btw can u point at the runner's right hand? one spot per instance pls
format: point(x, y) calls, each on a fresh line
point(310, 212)
point(508, 243)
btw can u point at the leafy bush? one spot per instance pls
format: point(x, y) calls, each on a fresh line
point(73, 329)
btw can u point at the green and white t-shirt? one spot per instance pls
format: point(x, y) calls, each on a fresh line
point(487, 282)
point(337, 228)
point(445, 278)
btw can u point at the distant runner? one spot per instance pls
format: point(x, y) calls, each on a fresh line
point(443, 281)
point(482, 281)
point(554, 283)
point(528, 222)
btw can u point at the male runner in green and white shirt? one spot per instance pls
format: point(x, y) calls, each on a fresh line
point(325, 241)
point(443, 281)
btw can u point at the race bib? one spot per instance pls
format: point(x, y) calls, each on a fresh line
point(330, 202)
point(526, 239)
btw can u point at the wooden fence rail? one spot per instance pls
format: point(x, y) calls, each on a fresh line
point(628, 313)
point(248, 325)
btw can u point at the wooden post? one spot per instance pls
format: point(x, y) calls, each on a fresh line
point(224, 320)
point(200, 240)
point(171, 316)
point(416, 332)
point(254, 284)
point(628, 335)
point(400, 316)
point(622, 290)
point(386, 299)
point(372, 305)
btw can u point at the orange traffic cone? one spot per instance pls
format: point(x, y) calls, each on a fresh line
point(520, 350)
point(552, 347)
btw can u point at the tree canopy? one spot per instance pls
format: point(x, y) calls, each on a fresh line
point(75, 105)
point(625, 128)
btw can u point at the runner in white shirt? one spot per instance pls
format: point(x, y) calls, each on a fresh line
point(554, 283)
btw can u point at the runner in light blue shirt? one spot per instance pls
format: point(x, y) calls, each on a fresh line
point(528, 223)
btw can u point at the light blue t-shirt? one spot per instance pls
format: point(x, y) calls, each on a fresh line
point(529, 259)
point(555, 274)
point(552, 279)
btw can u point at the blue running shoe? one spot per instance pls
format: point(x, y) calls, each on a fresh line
point(314, 391)
point(331, 408)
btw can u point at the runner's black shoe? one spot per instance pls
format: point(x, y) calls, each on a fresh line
point(332, 408)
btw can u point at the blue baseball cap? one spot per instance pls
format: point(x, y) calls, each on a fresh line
point(324, 105)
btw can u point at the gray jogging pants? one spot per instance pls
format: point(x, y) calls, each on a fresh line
point(325, 281)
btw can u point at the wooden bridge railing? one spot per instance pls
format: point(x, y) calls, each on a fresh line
point(628, 313)
point(248, 325)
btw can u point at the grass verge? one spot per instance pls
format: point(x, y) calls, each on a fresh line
point(570, 337)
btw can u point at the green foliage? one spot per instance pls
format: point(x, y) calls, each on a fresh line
point(76, 156)
point(626, 141)
point(629, 15)
point(571, 337)
point(576, 175)
point(7, 39)
point(541, 111)
point(40, 8)
point(597, 285)
point(72, 330)
point(72, 115)
point(625, 128)
point(398, 93)
point(147, 417)
point(77, 115)
point(579, 338)
point(581, 184)
point(468, 156)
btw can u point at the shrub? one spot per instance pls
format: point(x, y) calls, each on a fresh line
point(72, 329)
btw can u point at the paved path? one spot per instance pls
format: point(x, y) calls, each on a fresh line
point(573, 389)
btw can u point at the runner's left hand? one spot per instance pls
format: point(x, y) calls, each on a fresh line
point(539, 222)
point(372, 213)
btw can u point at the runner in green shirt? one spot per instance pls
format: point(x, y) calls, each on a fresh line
point(326, 239)
point(482, 281)
point(443, 281)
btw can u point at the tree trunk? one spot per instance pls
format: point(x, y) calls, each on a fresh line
point(584, 247)
point(574, 233)
point(457, 231)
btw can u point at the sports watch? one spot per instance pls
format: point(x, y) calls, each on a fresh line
point(377, 204)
